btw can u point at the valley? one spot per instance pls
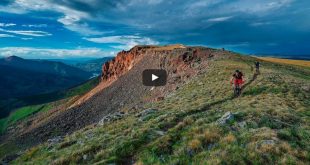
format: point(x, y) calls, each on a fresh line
point(26, 82)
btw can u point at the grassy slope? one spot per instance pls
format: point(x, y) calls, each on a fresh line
point(20, 114)
point(274, 107)
point(24, 112)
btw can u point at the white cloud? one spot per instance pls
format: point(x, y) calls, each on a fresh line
point(35, 25)
point(260, 23)
point(71, 20)
point(28, 52)
point(219, 19)
point(126, 42)
point(23, 6)
point(6, 35)
point(137, 13)
point(26, 38)
point(149, 2)
point(83, 29)
point(198, 4)
point(30, 33)
point(257, 7)
point(27, 32)
point(7, 24)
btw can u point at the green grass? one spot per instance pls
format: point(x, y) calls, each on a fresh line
point(3, 124)
point(26, 111)
point(273, 107)
point(21, 114)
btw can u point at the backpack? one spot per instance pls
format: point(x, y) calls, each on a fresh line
point(238, 75)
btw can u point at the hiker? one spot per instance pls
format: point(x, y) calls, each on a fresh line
point(237, 79)
point(257, 65)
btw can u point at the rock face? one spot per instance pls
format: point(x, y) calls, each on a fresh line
point(123, 62)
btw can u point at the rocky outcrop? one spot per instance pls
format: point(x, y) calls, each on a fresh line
point(173, 60)
point(123, 62)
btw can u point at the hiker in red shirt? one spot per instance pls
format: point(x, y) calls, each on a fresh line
point(238, 80)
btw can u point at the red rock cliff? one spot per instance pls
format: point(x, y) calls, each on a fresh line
point(123, 62)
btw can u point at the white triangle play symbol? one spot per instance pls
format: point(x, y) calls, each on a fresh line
point(154, 77)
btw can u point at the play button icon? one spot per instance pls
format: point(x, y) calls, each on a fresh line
point(154, 77)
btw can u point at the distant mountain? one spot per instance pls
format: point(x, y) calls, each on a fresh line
point(94, 66)
point(72, 61)
point(20, 77)
point(44, 66)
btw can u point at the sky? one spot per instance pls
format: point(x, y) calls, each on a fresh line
point(49, 29)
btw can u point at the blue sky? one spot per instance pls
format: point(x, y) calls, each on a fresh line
point(97, 28)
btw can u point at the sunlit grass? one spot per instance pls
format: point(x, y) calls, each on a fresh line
point(305, 63)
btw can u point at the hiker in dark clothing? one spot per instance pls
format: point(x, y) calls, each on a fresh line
point(257, 65)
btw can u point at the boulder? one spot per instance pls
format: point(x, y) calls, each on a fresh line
point(242, 124)
point(112, 117)
point(306, 88)
point(160, 133)
point(227, 117)
point(84, 157)
point(55, 140)
point(145, 114)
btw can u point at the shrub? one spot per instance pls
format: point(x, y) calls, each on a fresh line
point(211, 136)
point(194, 145)
point(66, 144)
point(188, 120)
point(162, 145)
point(230, 138)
